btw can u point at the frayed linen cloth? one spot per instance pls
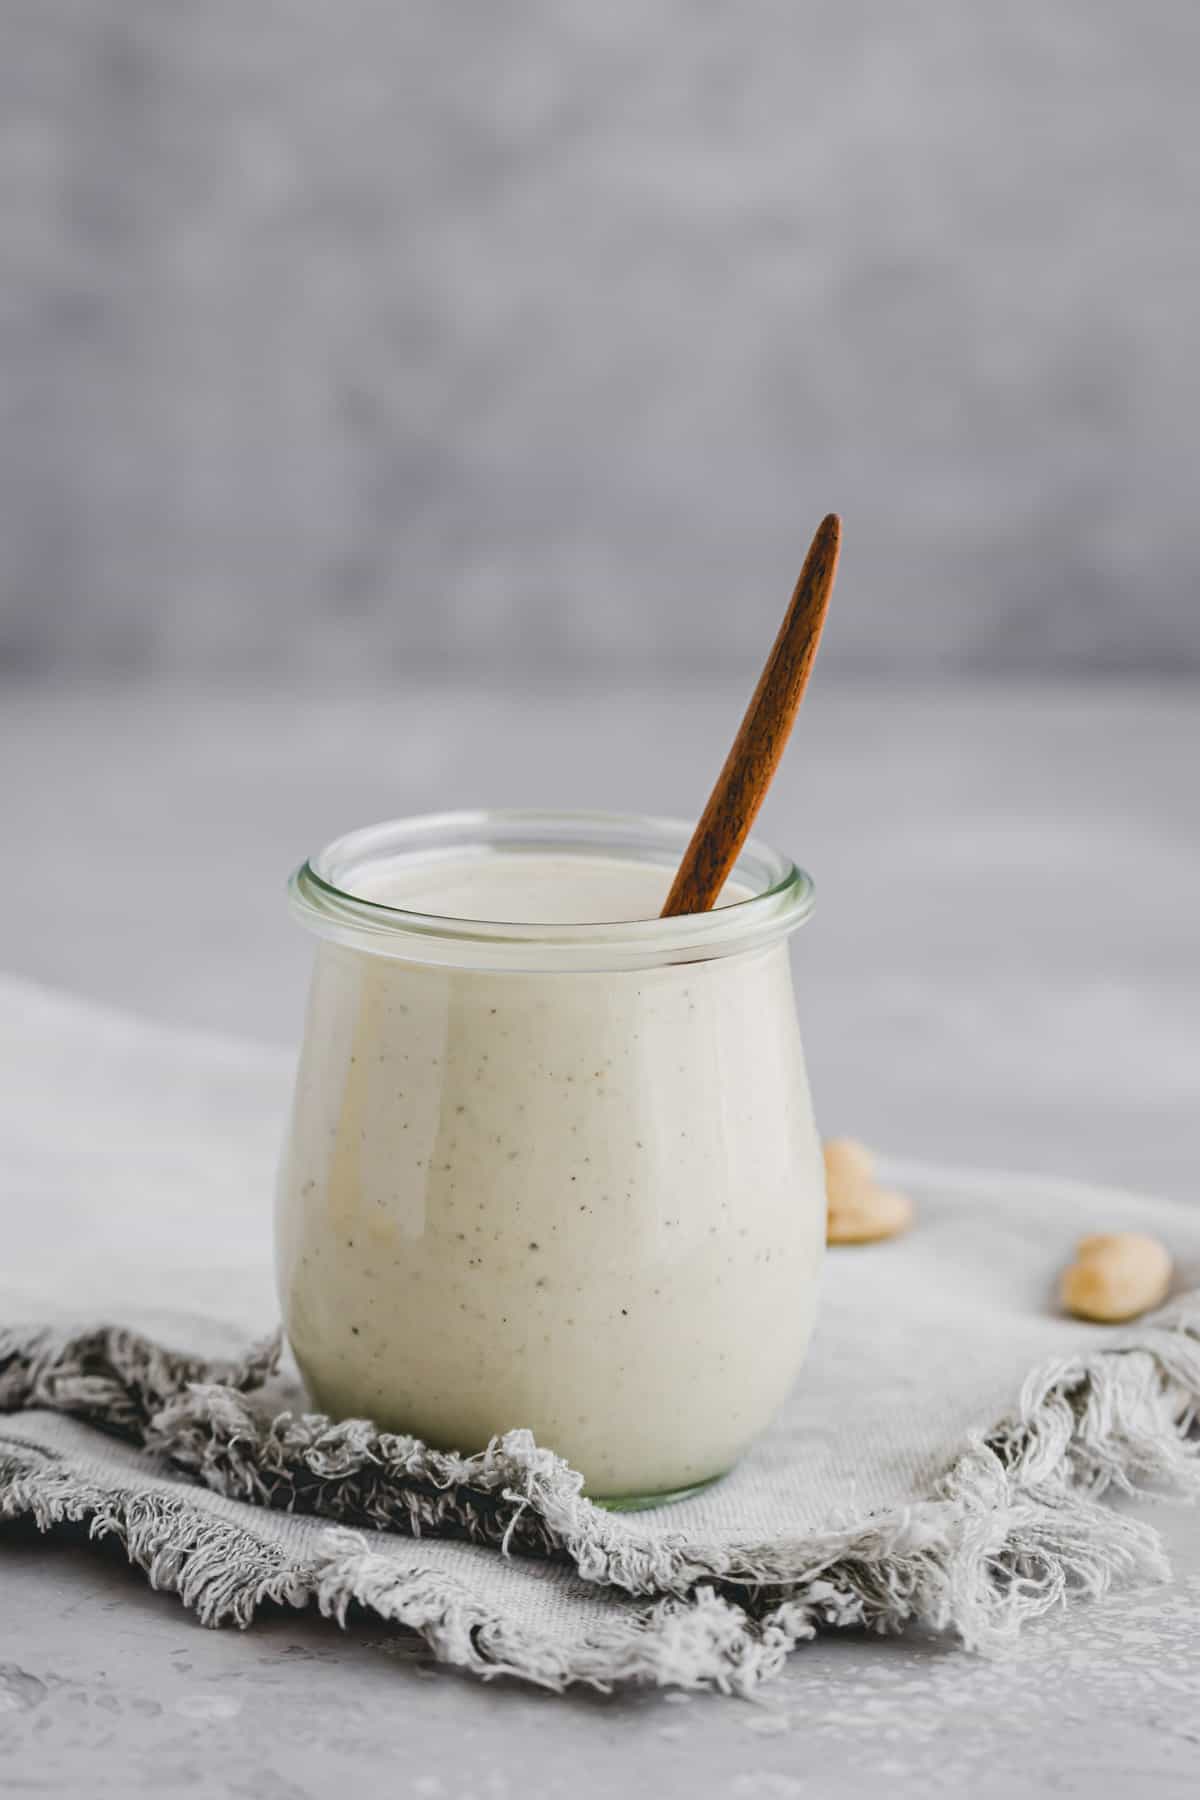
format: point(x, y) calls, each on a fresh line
point(942, 1461)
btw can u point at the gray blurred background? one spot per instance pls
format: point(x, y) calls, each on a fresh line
point(360, 336)
point(418, 405)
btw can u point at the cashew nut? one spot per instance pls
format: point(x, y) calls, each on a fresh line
point(860, 1212)
point(1116, 1275)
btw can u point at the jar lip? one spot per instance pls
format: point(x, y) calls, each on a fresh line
point(322, 895)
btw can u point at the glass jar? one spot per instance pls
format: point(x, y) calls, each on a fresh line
point(557, 1176)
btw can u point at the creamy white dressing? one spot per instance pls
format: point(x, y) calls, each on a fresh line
point(590, 1204)
point(513, 888)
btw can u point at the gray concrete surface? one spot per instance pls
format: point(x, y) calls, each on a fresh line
point(340, 334)
point(1003, 969)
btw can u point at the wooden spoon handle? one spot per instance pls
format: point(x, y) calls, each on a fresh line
point(743, 782)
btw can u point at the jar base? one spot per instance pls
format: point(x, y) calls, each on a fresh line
point(645, 1502)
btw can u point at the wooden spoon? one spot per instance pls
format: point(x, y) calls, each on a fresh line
point(743, 782)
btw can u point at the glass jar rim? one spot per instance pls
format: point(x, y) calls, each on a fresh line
point(322, 895)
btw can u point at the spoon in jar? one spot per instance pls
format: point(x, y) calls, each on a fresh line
point(753, 758)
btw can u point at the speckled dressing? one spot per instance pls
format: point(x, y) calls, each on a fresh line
point(586, 1203)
